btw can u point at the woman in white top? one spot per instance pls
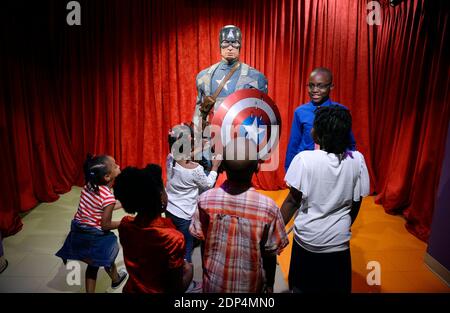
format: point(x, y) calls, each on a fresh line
point(327, 187)
point(185, 180)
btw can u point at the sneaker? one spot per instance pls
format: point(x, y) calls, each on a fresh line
point(122, 276)
point(195, 287)
point(3, 266)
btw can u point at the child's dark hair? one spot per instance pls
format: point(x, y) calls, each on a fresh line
point(177, 132)
point(332, 126)
point(139, 190)
point(95, 168)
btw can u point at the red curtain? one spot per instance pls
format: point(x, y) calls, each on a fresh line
point(411, 109)
point(116, 84)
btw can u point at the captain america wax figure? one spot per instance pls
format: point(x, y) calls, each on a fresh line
point(243, 77)
point(220, 80)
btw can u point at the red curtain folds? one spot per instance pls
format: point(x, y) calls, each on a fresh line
point(116, 84)
point(411, 109)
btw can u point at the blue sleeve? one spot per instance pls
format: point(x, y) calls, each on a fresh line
point(294, 141)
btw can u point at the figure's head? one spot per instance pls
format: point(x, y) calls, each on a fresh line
point(332, 126)
point(230, 40)
point(240, 159)
point(100, 170)
point(141, 190)
point(320, 84)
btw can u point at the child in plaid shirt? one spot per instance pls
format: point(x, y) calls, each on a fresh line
point(242, 229)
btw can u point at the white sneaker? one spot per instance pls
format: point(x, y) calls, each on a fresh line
point(122, 277)
point(195, 287)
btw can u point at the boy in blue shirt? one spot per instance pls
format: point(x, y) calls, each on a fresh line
point(319, 87)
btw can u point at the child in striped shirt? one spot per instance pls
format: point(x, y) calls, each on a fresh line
point(90, 239)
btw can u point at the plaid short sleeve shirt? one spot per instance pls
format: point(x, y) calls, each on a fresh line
point(238, 230)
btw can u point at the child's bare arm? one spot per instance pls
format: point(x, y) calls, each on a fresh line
point(107, 223)
point(355, 209)
point(270, 266)
point(291, 204)
point(118, 205)
point(188, 274)
point(180, 278)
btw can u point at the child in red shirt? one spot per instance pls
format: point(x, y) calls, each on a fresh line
point(153, 248)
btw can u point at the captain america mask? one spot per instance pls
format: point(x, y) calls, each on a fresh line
point(230, 35)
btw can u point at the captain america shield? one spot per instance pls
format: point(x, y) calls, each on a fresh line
point(251, 114)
